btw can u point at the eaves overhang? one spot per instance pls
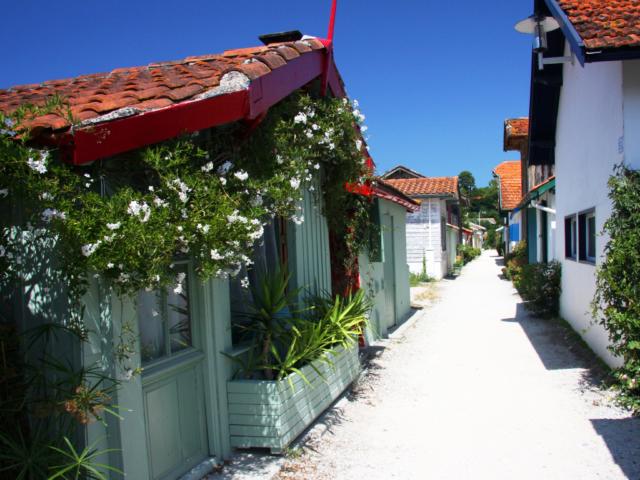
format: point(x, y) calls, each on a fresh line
point(85, 144)
point(581, 52)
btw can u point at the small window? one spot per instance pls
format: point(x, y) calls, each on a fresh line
point(587, 236)
point(164, 320)
point(570, 237)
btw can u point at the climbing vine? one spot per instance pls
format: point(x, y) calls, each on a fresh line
point(618, 281)
point(207, 196)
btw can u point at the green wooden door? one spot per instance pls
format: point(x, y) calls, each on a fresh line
point(172, 381)
point(389, 270)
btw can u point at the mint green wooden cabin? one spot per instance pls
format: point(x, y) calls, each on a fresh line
point(175, 415)
point(385, 275)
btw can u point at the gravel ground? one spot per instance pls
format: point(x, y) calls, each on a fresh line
point(472, 388)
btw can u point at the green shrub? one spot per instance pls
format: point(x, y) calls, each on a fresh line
point(468, 252)
point(615, 303)
point(416, 279)
point(514, 262)
point(539, 286)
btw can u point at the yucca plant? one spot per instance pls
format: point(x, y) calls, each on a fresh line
point(266, 319)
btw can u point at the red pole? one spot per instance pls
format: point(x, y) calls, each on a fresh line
point(329, 46)
point(332, 21)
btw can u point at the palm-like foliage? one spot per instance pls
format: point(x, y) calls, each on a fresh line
point(285, 338)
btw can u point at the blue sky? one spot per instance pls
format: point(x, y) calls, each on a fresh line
point(435, 79)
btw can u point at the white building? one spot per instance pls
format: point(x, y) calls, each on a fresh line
point(585, 118)
point(433, 232)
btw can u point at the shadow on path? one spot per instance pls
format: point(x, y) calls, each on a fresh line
point(622, 437)
point(552, 342)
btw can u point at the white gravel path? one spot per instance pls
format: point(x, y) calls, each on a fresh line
point(474, 389)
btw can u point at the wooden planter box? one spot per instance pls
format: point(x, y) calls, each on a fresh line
point(270, 414)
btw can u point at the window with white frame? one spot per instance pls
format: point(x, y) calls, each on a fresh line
point(587, 236)
point(580, 236)
point(570, 237)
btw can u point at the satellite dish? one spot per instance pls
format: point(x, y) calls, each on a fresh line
point(528, 25)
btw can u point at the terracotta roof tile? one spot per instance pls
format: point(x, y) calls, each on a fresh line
point(605, 23)
point(150, 87)
point(516, 133)
point(510, 174)
point(426, 185)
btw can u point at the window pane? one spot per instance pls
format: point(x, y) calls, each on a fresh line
point(152, 326)
point(574, 238)
point(178, 317)
point(591, 237)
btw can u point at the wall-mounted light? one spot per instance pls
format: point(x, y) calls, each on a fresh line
point(539, 26)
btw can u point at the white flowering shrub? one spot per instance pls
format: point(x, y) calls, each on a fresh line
point(207, 196)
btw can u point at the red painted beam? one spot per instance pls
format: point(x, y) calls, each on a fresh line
point(271, 88)
point(118, 136)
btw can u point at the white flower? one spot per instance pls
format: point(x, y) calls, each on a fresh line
point(109, 265)
point(279, 160)
point(317, 166)
point(158, 202)
point(358, 145)
point(364, 128)
point(359, 116)
point(235, 217)
point(113, 226)
point(344, 100)
point(315, 126)
point(39, 165)
point(207, 167)
point(332, 146)
point(203, 228)
point(5, 191)
point(179, 228)
point(257, 201)
point(300, 118)
point(244, 283)
point(311, 188)
point(298, 220)
point(309, 134)
point(295, 183)
point(257, 234)
point(2, 251)
point(356, 103)
point(51, 213)
point(140, 210)
point(225, 167)
point(241, 175)
point(151, 189)
point(215, 255)
point(154, 313)
point(178, 289)
point(223, 181)
point(89, 248)
point(46, 196)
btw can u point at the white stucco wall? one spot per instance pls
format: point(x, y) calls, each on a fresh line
point(589, 140)
point(424, 238)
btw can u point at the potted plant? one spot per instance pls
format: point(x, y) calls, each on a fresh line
point(298, 362)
